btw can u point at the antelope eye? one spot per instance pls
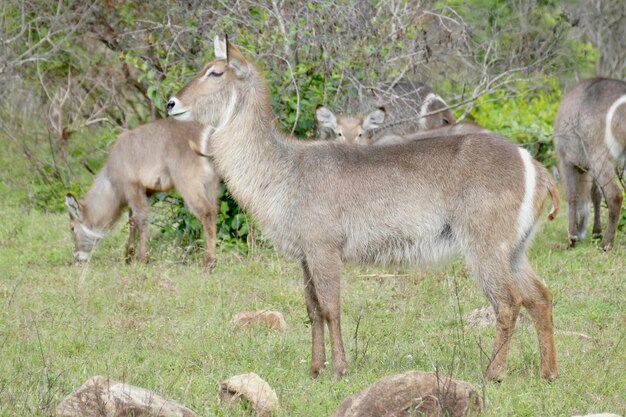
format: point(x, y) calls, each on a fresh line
point(339, 134)
point(216, 74)
point(446, 122)
point(360, 135)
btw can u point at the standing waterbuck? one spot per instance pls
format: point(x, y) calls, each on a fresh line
point(426, 201)
point(151, 158)
point(590, 140)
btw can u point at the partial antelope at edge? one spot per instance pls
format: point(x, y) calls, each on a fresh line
point(324, 203)
point(153, 157)
point(590, 141)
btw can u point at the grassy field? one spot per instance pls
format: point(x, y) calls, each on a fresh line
point(166, 326)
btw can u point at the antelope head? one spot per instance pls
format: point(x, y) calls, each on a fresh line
point(85, 239)
point(210, 97)
point(349, 129)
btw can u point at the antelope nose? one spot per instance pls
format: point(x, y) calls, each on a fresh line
point(170, 105)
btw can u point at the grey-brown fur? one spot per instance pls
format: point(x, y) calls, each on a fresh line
point(459, 128)
point(423, 202)
point(151, 158)
point(347, 128)
point(587, 164)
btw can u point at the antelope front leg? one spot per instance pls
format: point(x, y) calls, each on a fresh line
point(208, 222)
point(132, 237)
point(596, 198)
point(318, 350)
point(138, 202)
point(325, 273)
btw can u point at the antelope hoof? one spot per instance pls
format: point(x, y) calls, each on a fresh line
point(607, 246)
point(596, 235)
point(315, 371)
point(341, 372)
point(130, 255)
point(495, 374)
point(571, 241)
point(549, 375)
point(209, 264)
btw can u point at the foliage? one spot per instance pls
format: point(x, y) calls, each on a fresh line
point(81, 65)
point(176, 220)
point(524, 115)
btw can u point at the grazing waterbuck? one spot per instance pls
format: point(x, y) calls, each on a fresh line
point(426, 201)
point(153, 157)
point(590, 140)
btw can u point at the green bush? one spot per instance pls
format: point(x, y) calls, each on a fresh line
point(524, 115)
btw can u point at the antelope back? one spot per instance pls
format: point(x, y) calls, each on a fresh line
point(460, 128)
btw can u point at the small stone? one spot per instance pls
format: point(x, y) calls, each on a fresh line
point(253, 389)
point(413, 393)
point(272, 319)
point(102, 397)
point(599, 415)
point(485, 317)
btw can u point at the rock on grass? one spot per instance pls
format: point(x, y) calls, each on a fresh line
point(413, 393)
point(102, 397)
point(252, 389)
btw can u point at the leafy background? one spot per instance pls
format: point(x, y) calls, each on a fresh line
point(78, 72)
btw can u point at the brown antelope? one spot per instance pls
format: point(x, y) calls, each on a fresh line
point(426, 201)
point(348, 129)
point(590, 140)
point(151, 158)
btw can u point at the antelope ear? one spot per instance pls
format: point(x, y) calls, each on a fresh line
point(236, 60)
point(325, 118)
point(375, 119)
point(220, 48)
point(73, 206)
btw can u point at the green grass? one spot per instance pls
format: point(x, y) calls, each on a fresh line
point(165, 326)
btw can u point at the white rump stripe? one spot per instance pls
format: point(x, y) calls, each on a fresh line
point(526, 217)
point(614, 147)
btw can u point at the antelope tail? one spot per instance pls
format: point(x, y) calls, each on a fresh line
point(556, 201)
